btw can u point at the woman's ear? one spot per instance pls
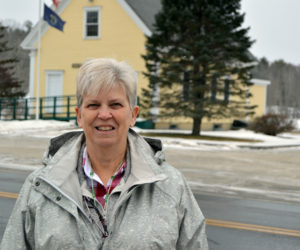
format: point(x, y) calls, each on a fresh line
point(135, 112)
point(78, 114)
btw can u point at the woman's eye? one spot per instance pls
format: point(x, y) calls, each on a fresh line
point(92, 105)
point(116, 104)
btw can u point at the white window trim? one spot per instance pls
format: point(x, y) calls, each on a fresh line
point(86, 9)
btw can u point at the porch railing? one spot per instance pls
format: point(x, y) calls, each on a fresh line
point(53, 107)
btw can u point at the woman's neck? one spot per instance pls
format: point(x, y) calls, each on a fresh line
point(105, 161)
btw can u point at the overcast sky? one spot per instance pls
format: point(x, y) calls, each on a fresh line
point(274, 24)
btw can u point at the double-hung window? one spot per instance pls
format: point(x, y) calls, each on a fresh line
point(226, 91)
point(54, 91)
point(186, 86)
point(92, 22)
point(214, 88)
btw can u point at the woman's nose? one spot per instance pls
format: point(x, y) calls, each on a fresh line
point(104, 113)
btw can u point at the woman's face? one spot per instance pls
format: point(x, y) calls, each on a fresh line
point(106, 117)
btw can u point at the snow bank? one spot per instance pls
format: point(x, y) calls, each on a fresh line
point(24, 127)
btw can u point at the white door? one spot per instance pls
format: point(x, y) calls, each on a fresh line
point(54, 88)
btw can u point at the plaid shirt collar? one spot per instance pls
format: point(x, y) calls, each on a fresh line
point(100, 189)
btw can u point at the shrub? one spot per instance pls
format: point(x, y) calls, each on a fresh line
point(272, 124)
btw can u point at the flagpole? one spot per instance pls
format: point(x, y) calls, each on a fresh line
point(37, 106)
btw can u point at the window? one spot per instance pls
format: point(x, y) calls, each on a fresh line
point(214, 88)
point(219, 90)
point(226, 90)
point(92, 22)
point(54, 90)
point(186, 86)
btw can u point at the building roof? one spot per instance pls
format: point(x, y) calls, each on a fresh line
point(145, 10)
point(261, 82)
point(141, 11)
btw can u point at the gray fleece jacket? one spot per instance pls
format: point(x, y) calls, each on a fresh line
point(152, 208)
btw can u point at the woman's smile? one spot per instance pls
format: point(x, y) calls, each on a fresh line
point(105, 128)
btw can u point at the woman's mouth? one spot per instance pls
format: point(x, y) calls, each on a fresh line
point(105, 128)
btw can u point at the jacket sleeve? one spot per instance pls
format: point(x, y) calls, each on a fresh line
point(192, 235)
point(19, 230)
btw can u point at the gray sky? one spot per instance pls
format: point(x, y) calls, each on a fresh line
point(274, 24)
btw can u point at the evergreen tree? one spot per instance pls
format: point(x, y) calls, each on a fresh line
point(9, 85)
point(198, 59)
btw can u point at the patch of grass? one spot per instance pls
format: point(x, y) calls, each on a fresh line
point(296, 132)
point(197, 137)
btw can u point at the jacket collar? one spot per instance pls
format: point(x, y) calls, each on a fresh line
point(61, 167)
point(145, 167)
point(61, 171)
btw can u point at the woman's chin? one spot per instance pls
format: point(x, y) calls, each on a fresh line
point(105, 141)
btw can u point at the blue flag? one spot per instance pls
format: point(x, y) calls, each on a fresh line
point(53, 19)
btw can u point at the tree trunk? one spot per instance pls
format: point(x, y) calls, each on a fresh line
point(199, 78)
point(196, 125)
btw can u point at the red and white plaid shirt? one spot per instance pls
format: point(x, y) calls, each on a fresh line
point(99, 188)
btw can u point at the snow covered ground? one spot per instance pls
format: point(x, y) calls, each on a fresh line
point(49, 129)
point(263, 141)
point(31, 126)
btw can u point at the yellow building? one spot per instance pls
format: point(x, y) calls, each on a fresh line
point(259, 98)
point(96, 28)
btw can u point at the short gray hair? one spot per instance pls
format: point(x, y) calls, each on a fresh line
point(102, 74)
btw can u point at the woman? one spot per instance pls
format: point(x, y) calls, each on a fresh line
point(105, 187)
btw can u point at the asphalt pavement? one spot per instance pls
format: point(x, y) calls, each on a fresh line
point(270, 173)
point(239, 189)
point(232, 223)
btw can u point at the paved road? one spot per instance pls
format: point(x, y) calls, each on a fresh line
point(220, 211)
point(247, 175)
point(253, 222)
point(267, 174)
point(272, 174)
